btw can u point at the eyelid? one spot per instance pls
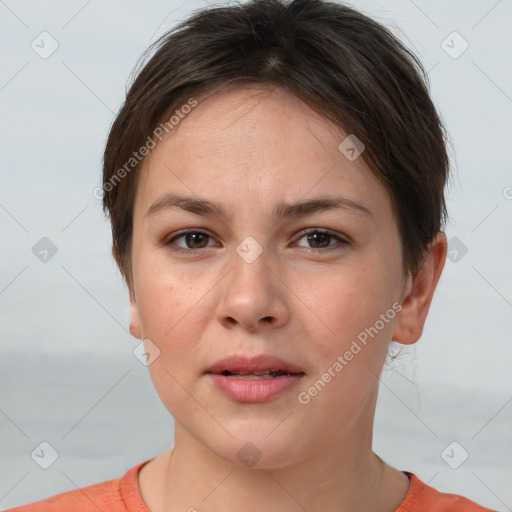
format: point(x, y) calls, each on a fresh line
point(325, 231)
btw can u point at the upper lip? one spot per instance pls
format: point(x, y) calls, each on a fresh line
point(259, 363)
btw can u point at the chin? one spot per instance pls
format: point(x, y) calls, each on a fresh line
point(258, 452)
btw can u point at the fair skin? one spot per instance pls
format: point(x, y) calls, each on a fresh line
point(250, 149)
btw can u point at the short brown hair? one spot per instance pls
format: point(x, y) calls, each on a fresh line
point(343, 64)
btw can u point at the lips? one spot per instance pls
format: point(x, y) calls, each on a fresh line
point(254, 380)
point(259, 365)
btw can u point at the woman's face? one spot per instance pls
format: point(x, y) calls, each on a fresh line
point(251, 280)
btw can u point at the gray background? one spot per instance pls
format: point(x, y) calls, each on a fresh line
point(68, 375)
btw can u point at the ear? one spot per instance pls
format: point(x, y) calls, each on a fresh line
point(135, 327)
point(418, 294)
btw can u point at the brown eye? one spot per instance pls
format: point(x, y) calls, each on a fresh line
point(190, 240)
point(321, 241)
point(318, 240)
point(195, 240)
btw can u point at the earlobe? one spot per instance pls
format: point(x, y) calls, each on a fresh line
point(135, 327)
point(418, 294)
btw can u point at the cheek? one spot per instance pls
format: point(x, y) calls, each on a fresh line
point(172, 313)
point(350, 305)
point(166, 292)
point(172, 318)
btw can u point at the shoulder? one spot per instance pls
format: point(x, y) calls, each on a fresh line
point(422, 497)
point(85, 499)
point(116, 495)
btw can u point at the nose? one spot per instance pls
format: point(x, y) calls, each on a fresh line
point(254, 296)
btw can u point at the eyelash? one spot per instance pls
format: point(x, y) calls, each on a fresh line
point(169, 241)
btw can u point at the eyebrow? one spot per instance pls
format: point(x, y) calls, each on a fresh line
point(281, 211)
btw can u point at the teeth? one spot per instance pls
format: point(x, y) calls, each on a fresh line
point(267, 374)
point(252, 377)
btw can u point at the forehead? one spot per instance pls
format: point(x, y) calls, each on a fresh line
point(255, 142)
point(246, 116)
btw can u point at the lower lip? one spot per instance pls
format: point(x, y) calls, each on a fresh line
point(254, 391)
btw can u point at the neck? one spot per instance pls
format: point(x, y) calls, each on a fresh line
point(347, 476)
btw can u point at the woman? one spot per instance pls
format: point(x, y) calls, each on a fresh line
point(275, 183)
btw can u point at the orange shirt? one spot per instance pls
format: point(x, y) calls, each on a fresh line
point(122, 495)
